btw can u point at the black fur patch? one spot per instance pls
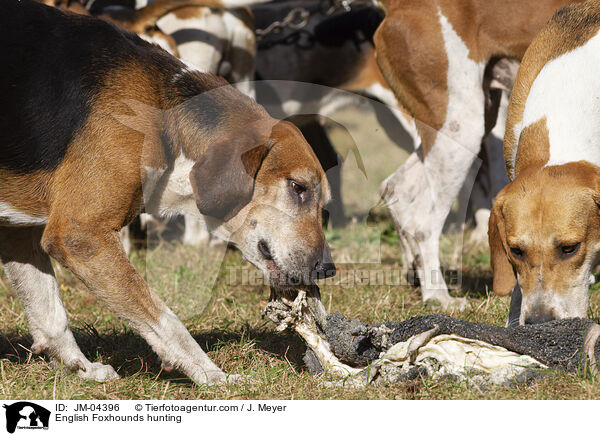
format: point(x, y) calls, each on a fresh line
point(576, 20)
point(52, 66)
point(327, 51)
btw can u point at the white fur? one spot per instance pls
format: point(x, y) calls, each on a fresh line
point(198, 54)
point(420, 194)
point(220, 35)
point(195, 233)
point(567, 93)
point(13, 217)
point(175, 346)
point(463, 120)
point(161, 42)
point(572, 303)
point(171, 193)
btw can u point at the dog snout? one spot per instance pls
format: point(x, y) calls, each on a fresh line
point(324, 267)
point(324, 270)
point(539, 316)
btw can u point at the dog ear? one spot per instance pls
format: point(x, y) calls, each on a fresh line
point(223, 178)
point(504, 274)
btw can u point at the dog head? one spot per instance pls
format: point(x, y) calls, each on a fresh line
point(265, 189)
point(544, 231)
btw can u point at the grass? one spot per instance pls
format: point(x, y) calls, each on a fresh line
point(225, 318)
point(239, 341)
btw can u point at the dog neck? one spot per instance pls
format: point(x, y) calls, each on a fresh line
point(199, 110)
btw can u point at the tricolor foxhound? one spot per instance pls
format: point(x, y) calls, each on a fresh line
point(72, 174)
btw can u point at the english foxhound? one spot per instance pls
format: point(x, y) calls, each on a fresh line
point(72, 174)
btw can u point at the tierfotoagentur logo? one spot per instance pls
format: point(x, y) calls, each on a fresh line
point(24, 415)
point(373, 193)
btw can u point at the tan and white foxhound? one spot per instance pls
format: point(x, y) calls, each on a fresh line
point(545, 225)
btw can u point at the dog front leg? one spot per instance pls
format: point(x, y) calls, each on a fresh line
point(31, 275)
point(195, 233)
point(97, 258)
point(419, 196)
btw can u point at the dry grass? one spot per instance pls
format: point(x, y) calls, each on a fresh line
point(226, 318)
point(239, 341)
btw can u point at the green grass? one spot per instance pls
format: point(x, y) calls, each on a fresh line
point(226, 321)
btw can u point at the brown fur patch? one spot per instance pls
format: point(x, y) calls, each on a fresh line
point(504, 276)
point(495, 28)
point(286, 156)
point(27, 193)
point(534, 146)
point(412, 57)
point(415, 66)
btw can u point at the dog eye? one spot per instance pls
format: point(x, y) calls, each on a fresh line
point(298, 189)
point(569, 250)
point(516, 252)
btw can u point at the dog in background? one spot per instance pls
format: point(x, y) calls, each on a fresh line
point(440, 58)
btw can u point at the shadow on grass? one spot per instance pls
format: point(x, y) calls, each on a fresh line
point(477, 282)
point(129, 353)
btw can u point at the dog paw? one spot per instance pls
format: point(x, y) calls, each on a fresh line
point(448, 304)
point(221, 378)
point(455, 304)
point(96, 371)
point(238, 378)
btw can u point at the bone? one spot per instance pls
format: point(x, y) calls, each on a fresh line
point(591, 348)
point(306, 315)
point(419, 340)
point(360, 353)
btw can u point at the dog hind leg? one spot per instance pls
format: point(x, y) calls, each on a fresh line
point(31, 275)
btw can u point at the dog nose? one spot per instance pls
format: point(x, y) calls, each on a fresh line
point(324, 270)
point(324, 266)
point(539, 316)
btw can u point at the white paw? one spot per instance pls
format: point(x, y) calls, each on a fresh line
point(459, 304)
point(221, 378)
point(450, 304)
point(97, 372)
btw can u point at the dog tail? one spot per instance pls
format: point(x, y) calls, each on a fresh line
point(147, 16)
